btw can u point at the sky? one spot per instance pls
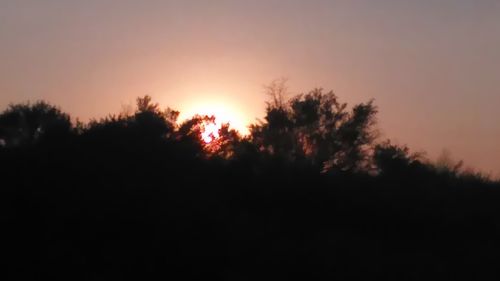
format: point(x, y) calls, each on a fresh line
point(432, 66)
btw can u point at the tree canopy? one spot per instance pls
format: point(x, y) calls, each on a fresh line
point(317, 129)
point(310, 194)
point(27, 124)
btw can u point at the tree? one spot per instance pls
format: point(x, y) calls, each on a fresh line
point(315, 128)
point(29, 124)
point(222, 145)
point(147, 126)
point(446, 164)
point(151, 121)
point(396, 161)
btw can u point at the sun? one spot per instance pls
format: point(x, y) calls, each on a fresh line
point(210, 131)
point(223, 113)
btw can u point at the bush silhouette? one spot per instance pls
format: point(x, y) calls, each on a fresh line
point(310, 194)
point(28, 124)
point(317, 129)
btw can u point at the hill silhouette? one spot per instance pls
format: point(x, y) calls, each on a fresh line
point(310, 194)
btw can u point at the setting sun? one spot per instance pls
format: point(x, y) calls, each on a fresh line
point(223, 113)
point(210, 131)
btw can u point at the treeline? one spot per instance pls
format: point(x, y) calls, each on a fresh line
point(310, 193)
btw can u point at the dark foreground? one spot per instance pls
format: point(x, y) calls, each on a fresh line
point(138, 197)
point(68, 219)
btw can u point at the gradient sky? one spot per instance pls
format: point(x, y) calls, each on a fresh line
point(433, 67)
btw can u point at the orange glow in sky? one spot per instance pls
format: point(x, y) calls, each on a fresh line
point(223, 113)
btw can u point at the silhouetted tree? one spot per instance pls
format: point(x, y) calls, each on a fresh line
point(226, 144)
point(28, 124)
point(152, 121)
point(222, 145)
point(317, 129)
point(139, 196)
point(446, 164)
point(394, 160)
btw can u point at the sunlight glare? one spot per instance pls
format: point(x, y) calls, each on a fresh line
point(210, 132)
point(223, 112)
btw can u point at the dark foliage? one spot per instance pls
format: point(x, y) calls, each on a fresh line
point(309, 195)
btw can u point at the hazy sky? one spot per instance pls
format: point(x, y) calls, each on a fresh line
point(433, 67)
